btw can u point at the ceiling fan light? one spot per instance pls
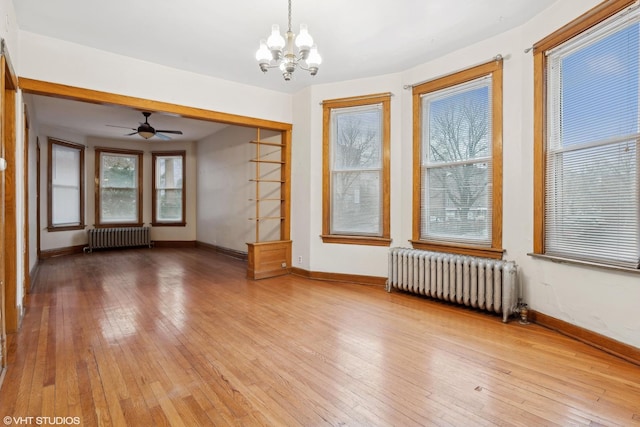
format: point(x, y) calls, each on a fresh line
point(146, 134)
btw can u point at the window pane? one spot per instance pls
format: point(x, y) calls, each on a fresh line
point(457, 124)
point(357, 138)
point(168, 184)
point(592, 204)
point(169, 204)
point(456, 176)
point(457, 203)
point(119, 205)
point(356, 159)
point(119, 171)
point(65, 185)
point(598, 93)
point(119, 189)
point(356, 203)
point(591, 187)
point(169, 172)
point(66, 206)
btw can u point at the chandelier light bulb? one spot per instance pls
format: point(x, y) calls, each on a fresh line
point(275, 40)
point(304, 41)
point(263, 54)
point(314, 59)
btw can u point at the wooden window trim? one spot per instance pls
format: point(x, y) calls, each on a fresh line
point(98, 165)
point(50, 226)
point(584, 22)
point(493, 68)
point(327, 106)
point(154, 156)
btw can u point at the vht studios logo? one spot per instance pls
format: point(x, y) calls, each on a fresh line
point(47, 421)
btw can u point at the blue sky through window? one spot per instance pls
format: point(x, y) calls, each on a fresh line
point(600, 89)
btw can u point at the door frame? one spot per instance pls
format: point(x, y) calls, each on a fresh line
point(39, 87)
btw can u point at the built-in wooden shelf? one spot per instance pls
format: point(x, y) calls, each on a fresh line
point(270, 258)
point(262, 218)
point(270, 144)
point(265, 180)
point(276, 162)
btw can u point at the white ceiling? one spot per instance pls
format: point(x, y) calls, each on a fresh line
point(356, 38)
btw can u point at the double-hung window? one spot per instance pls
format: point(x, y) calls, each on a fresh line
point(458, 162)
point(119, 192)
point(66, 186)
point(587, 182)
point(168, 188)
point(356, 170)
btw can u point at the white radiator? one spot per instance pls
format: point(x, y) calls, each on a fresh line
point(482, 283)
point(120, 237)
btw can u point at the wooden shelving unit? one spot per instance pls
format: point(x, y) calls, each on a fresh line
point(269, 257)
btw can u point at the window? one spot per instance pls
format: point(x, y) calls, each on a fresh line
point(119, 192)
point(588, 132)
point(458, 162)
point(356, 144)
point(168, 186)
point(65, 207)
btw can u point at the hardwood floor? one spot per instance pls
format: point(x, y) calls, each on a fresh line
point(180, 337)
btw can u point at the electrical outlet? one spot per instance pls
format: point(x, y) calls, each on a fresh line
point(300, 260)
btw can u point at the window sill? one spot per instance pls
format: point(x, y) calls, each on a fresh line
point(356, 240)
point(469, 250)
point(561, 260)
point(119, 224)
point(169, 224)
point(53, 228)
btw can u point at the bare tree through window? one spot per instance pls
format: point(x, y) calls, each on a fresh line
point(456, 159)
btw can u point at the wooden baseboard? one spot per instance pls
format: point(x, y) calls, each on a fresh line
point(339, 277)
point(224, 251)
point(33, 274)
point(174, 243)
point(609, 345)
point(69, 250)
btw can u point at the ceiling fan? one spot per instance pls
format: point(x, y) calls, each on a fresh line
point(146, 131)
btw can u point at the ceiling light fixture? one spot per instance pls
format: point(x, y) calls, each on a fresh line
point(277, 51)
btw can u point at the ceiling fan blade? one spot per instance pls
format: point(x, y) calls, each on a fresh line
point(161, 136)
point(177, 132)
point(122, 127)
point(132, 133)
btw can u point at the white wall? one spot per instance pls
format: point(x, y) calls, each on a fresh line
point(601, 300)
point(65, 239)
point(225, 189)
point(307, 160)
point(58, 61)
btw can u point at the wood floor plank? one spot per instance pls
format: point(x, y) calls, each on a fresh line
point(170, 337)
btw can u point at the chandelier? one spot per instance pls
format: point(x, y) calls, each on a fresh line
point(278, 51)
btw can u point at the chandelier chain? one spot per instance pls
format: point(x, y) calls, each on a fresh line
point(289, 15)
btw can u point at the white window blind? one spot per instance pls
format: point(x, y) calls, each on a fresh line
point(119, 188)
point(168, 187)
point(456, 164)
point(356, 170)
point(65, 185)
point(591, 184)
